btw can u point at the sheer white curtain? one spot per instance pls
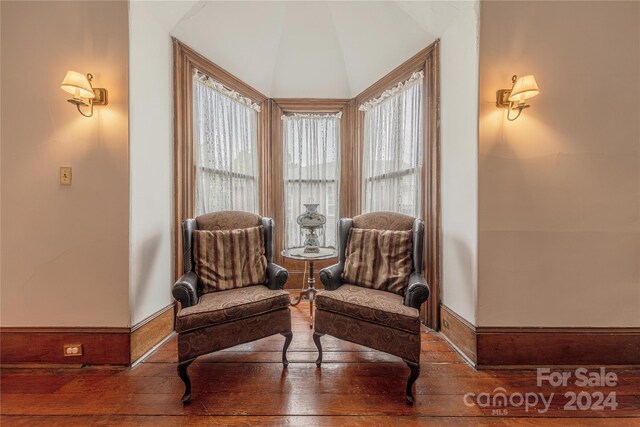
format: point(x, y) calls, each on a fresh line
point(225, 139)
point(311, 172)
point(393, 144)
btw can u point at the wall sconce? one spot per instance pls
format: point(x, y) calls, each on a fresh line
point(523, 88)
point(83, 93)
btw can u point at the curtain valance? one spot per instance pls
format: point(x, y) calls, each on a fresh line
point(415, 77)
point(219, 87)
point(311, 116)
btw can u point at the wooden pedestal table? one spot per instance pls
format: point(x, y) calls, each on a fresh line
point(298, 254)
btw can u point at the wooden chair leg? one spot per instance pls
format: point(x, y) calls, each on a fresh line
point(184, 376)
point(413, 376)
point(288, 336)
point(316, 339)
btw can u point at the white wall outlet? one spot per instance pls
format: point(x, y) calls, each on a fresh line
point(65, 175)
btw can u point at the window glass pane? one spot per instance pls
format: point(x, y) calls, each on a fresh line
point(393, 147)
point(311, 173)
point(225, 138)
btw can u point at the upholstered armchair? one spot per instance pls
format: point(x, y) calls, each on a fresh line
point(383, 319)
point(212, 319)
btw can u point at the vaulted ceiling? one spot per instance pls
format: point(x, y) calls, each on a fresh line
point(321, 49)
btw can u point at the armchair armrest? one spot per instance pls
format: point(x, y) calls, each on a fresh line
point(276, 276)
point(417, 291)
point(185, 289)
point(331, 277)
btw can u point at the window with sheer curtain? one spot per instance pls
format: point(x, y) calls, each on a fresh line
point(226, 147)
point(311, 172)
point(393, 147)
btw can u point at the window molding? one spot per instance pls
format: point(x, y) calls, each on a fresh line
point(185, 61)
point(432, 203)
point(283, 106)
point(427, 61)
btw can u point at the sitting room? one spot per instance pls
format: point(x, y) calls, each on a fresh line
point(320, 213)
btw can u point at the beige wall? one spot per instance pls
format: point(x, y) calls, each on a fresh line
point(64, 249)
point(459, 155)
point(151, 156)
point(559, 189)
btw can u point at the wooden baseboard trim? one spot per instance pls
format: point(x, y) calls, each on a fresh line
point(510, 347)
point(152, 350)
point(101, 346)
point(460, 334)
point(531, 347)
point(147, 334)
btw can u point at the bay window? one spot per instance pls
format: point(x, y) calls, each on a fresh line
point(393, 149)
point(378, 151)
point(226, 147)
point(311, 171)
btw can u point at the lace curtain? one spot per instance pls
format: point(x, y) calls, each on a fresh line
point(225, 138)
point(392, 167)
point(311, 172)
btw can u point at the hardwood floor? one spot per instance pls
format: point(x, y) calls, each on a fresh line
point(246, 385)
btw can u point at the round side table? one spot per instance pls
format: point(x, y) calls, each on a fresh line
point(298, 254)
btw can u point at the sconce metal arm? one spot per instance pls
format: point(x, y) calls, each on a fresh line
point(90, 111)
point(520, 108)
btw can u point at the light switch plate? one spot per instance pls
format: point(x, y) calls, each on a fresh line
point(65, 175)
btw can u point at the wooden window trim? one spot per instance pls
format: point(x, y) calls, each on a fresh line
point(185, 60)
point(280, 106)
point(428, 61)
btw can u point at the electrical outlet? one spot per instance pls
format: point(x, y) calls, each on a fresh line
point(65, 175)
point(72, 350)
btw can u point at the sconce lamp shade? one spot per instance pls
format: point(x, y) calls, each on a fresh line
point(78, 85)
point(525, 87)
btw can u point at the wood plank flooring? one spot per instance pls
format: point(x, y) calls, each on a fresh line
point(246, 385)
